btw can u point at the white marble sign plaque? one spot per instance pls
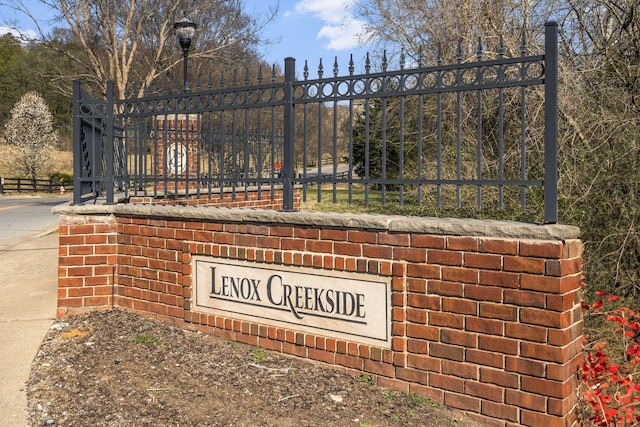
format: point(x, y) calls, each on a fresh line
point(342, 305)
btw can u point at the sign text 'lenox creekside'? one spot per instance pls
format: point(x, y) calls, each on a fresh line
point(336, 304)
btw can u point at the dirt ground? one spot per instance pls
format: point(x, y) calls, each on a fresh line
point(119, 369)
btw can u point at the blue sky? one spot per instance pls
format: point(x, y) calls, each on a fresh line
point(313, 29)
point(306, 29)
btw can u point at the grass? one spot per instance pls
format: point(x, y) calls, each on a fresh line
point(146, 339)
point(414, 399)
point(389, 395)
point(63, 161)
point(367, 379)
point(362, 201)
point(259, 354)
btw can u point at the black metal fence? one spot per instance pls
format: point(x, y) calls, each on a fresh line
point(448, 134)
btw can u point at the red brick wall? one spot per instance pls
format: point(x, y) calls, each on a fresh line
point(265, 199)
point(490, 325)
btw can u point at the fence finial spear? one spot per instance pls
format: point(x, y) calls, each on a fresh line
point(351, 65)
point(420, 57)
point(384, 60)
point(402, 58)
point(501, 47)
point(367, 64)
point(273, 73)
point(523, 46)
point(260, 74)
point(305, 70)
point(335, 67)
point(479, 51)
point(320, 69)
point(459, 52)
point(439, 59)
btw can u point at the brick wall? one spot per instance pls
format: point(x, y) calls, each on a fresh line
point(264, 199)
point(488, 322)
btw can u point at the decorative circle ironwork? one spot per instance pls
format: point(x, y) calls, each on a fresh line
point(343, 88)
point(490, 74)
point(469, 76)
point(253, 97)
point(375, 85)
point(359, 86)
point(394, 83)
point(311, 91)
point(298, 92)
point(265, 95)
point(430, 80)
point(534, 70)
point(411, 82)
point(512, 73)
point(328, 89)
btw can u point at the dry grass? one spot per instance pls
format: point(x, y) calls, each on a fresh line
point(62, 163)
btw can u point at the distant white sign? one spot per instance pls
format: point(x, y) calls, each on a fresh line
point(341, 305)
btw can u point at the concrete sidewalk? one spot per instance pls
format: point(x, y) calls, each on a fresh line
point(28, 293)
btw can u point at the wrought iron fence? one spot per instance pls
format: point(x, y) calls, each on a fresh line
point(447, 134)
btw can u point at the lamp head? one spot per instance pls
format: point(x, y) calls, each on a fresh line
point(185, 30)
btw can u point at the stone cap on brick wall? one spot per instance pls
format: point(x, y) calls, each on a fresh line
point(392, 223)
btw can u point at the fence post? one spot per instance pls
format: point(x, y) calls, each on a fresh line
point(288, 169)
point(77, 149)
point(551, 123)
point(109, 144)
point(1, 185)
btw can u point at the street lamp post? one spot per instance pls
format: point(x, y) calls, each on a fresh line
point(185, 30)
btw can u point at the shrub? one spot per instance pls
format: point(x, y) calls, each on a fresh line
point(610, 389)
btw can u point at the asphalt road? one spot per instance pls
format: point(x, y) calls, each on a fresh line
point(24, 216)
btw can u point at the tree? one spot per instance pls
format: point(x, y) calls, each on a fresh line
point(428, 25)
point(30, 132)
point(599, 104)
point(26, 67)
point(10, 73)
point(600, 154)
point(132, 41)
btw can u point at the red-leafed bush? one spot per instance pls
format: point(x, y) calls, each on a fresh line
point(610, 373)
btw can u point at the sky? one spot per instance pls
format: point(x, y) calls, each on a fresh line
point(303, 29)
point(313, 29)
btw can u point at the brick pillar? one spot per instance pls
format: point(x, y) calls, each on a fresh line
point(177, 151)
point(86, 263)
